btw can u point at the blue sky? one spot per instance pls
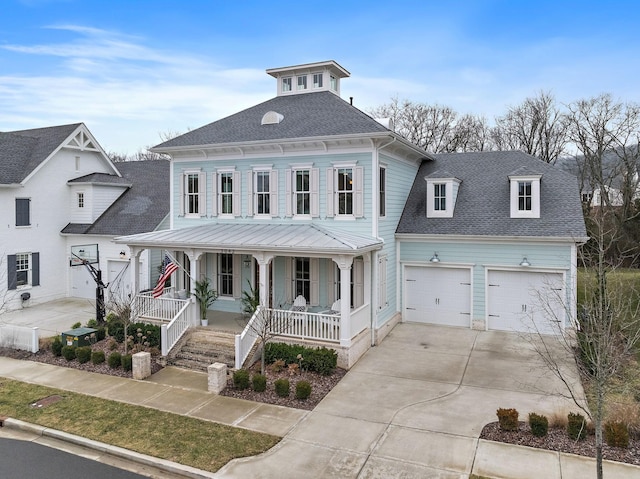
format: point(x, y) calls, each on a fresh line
point(131, 69)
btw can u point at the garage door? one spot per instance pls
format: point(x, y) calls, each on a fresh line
point(437, 295)
point(525, 301)
point(82, 283)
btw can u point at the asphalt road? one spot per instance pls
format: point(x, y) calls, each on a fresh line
point(24, 459)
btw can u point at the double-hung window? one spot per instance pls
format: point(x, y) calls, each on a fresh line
point(524, 196)
point(317, 80)
point(302, 82)
point(80, 200)
point(225, 274)
point(302, 278)
point(302, 192)
point(262, 192)
point(226, 193)
point(192, 193)
point(286, 84)
point(440, 197)
point(23, 270)
point(345, 191)
point(23, 211)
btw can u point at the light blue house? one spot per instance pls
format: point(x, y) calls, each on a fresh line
point(302, 196)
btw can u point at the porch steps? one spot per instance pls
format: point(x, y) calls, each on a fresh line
point(203, 347)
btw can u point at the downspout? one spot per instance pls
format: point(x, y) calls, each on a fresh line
point(374, 226)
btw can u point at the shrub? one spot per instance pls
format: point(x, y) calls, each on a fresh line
point(259, 383)
point(92, 323)
point(616, 434)
point(56, 346)
point(303, 389)
point(241, 379)
point(539, 424)
point(282, 387)
point(112, 344)
point(83, 354)
point(97, 357)
point(576, 427)
point(76, 325)
point(320, 360)
point(287, 352)
point(69, 352)
point(147, 335)
point(115, 360)
point(508, 419)
point(101, 333)
point(278, 365)
point(126, 361)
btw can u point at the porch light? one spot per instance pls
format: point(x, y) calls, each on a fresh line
point(434, 258)
point(246, 262)
point(525, 262)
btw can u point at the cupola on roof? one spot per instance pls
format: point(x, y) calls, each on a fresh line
point(309, 77)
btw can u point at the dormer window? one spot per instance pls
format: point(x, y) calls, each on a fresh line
point(525, 196)
point(317, 80)
point(286, 84)
point(333, 83)
point(442, 192)
point(302, 82)
point(309, 78)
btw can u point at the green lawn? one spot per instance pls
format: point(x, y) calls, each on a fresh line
point(201, 444)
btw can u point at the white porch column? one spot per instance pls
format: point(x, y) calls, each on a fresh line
point(344, 263)
point(264, 261)
point(134, 270)
point(194, 275)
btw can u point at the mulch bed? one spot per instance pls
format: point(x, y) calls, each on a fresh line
point(320, 387)
point(46, 356)
point(557, 440)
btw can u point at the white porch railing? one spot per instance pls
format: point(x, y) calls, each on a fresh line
point(164, 308)
point(171, 333)
point(360, 319)
point(20, 337)
point(301, 325)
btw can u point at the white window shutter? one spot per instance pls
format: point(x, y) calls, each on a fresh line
point(237, 204)
point(249, 193)
point(290, 201)
point(202, 194)
point(237, 276)
point(315, 192)
point(330, 193)
point(181, 186)
point(382, 282)
point(314, 265)
point(330, 273)
point(273, 193)
point(288, 279)
point(358, 200)
point(214, 194)
point(358, 282)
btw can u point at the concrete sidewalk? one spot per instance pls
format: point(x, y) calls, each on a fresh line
point(412, 407)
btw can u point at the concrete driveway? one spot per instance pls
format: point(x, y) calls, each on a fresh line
point(53, 317)
point(414, 407)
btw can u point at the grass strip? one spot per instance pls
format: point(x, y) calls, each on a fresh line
point(185, 440)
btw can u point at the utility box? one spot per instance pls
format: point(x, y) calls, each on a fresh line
point(78, 337)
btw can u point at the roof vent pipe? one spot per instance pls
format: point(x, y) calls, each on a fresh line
point(351, 100)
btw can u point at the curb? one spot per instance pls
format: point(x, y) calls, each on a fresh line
point(163, 464)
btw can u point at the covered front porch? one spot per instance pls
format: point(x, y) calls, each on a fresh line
point(314, 285)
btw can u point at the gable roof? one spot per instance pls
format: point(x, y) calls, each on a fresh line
point(22, 151)
point(141, 208)
point(308, 115)
point(483, 201)
point(100, 179)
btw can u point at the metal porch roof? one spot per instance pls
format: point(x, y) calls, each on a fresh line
point(277, 238)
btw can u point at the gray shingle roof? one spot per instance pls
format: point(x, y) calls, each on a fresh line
point(22, 151)
point(306, 115)
point(141, 208)
point(483, 203)
point(103, 178)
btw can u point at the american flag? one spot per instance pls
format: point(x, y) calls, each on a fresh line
point(168, 268)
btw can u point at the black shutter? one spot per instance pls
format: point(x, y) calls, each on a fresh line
point(22, 211)
point(11, 271)
point(35, 269)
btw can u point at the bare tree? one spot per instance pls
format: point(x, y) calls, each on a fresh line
point(267, 324)
point(607, 335)
point(144, 154)
point(606, 134)
point(536, 126)
point(435, 128)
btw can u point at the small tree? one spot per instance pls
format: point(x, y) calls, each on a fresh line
point(268, 324)
point(205, 295)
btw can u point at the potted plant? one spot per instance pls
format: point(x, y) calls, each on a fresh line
point(205, 296)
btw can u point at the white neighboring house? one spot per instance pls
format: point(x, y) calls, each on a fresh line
point(56, 185)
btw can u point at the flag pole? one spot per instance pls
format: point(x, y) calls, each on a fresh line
point(172, 258)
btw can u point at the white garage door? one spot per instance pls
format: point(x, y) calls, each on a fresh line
point(119, 280)
point(437, 295)
point(525, 301)
point(82, 283)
